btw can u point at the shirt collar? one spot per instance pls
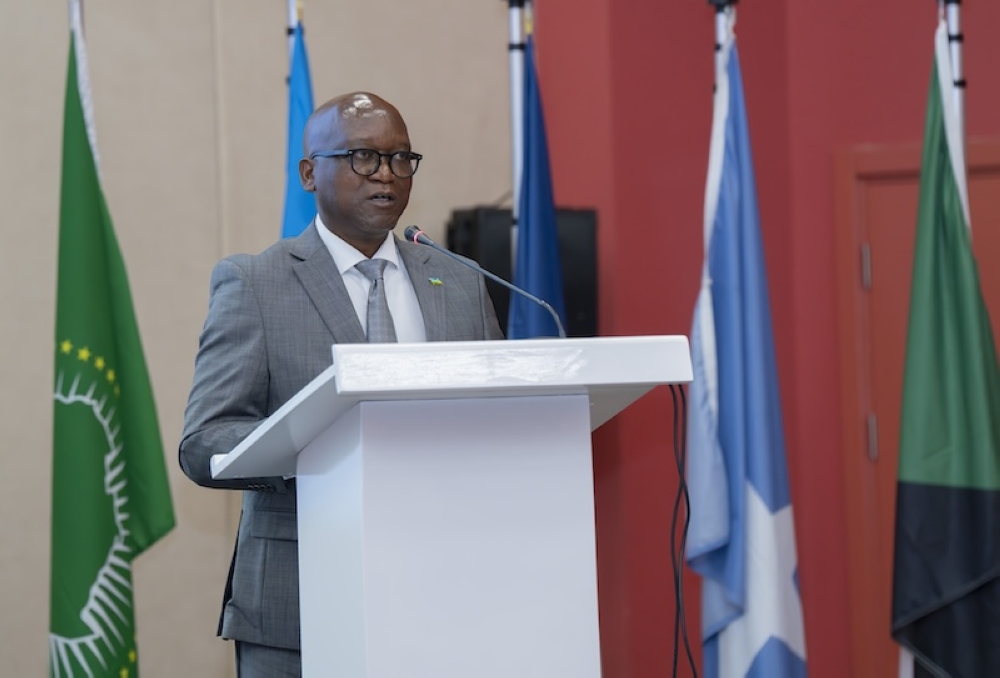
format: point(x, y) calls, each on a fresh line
point(346, 257)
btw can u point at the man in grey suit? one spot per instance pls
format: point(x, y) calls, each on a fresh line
point(271, 321)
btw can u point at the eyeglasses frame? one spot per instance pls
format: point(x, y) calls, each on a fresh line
point(349, 153)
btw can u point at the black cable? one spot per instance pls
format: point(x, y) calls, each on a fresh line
point(677, 557)
point(682, 466)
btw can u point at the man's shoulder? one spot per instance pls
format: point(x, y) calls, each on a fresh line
point(280, 255)
point(437, 258)
point(252, 265)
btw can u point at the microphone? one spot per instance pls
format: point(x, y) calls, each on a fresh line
point(414, 234)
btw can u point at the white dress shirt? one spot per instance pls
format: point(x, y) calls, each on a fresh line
point(403, 304)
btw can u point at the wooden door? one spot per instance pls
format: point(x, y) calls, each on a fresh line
point(876, 202)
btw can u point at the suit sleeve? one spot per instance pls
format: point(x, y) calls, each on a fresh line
point(228, 398)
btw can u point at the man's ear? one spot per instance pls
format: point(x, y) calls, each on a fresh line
point(306, 174)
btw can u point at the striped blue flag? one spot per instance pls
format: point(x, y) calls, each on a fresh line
point(300, 205)
point(742, 537)
point(536, 266)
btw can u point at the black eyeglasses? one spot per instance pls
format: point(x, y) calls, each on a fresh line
point(366, 161)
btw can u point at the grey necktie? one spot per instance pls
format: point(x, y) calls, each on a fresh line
point(380, 327)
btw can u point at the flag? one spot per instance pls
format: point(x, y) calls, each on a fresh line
point(110, 498)
point(946, 584)
point(742, 536)
point(536, 266)
point(300, 205)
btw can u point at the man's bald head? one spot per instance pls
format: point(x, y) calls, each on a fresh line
point(361, 208)
point(328, 119)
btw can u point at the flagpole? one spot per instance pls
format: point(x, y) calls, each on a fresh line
point(955, 39)
point(515, 50)
point(725, 22)
point(722, 27)
point(83, 77)
point(720, 35)
point(294, 17)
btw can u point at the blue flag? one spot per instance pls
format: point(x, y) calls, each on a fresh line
point(742, 537)
point(300, 206)
point(536, 267)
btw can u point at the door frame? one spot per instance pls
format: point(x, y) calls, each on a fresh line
point(853, 168)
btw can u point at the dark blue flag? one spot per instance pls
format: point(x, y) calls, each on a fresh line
point(300, 206)
point(536, 267)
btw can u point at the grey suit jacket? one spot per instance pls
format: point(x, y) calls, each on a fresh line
point(271, 321)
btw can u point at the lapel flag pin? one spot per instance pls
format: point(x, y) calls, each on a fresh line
point(435, 281)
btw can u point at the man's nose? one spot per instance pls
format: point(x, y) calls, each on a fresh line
point(384, 171)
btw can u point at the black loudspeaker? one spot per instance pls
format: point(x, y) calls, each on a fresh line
point(483, 234)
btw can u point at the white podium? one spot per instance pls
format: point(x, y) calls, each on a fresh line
point(445, 501)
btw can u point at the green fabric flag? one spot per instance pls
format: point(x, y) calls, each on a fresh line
point(946, 597)
point(110, 497)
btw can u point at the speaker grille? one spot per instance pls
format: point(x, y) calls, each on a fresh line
point(483, 234)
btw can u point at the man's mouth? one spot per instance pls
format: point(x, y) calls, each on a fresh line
point(383, 198)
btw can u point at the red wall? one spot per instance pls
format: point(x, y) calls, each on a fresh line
point(627, 87)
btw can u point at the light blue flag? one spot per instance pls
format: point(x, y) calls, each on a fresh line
point(742, 537)
point(536, 267)
point(300, 206)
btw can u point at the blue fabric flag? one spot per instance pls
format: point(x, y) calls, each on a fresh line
point(300, 205)
point(536, 267)
point(742, 536)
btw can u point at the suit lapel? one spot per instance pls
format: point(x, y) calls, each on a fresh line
point(319, 276)
point(430, 296)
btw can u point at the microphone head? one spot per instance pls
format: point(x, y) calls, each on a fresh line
point(411, 233)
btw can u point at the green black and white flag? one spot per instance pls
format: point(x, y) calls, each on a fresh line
point(946, 589)
point(110, 496)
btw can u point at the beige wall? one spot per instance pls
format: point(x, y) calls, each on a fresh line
point(190, 110)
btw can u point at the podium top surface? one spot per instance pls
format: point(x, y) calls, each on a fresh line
point(613, 371)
